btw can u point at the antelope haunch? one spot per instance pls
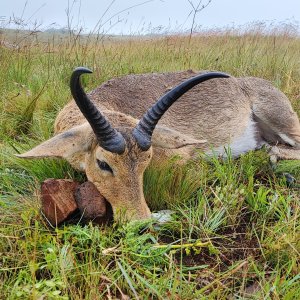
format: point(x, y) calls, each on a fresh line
point(111, 134)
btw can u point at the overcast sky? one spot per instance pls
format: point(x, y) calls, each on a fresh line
point(135, 16)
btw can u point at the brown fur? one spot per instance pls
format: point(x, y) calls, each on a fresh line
point(218, 110)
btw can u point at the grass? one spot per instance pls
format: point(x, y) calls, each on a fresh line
point(235, 230)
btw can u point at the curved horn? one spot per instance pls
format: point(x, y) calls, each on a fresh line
point(144, 129)
point(107, 137)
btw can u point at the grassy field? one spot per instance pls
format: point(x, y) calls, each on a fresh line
point(235, 233)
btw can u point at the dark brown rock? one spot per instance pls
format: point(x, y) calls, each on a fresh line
point(58, 201)
point(91, 204)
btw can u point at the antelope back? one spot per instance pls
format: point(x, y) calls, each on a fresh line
point(218, 110)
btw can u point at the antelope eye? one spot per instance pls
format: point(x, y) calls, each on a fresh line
point(104, 166)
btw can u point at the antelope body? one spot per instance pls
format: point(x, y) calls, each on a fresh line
point(111, 134)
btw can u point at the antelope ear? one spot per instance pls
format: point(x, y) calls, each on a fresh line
point(167, 138)
point(64, 145)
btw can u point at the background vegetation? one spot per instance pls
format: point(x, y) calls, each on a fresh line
point(235, 232)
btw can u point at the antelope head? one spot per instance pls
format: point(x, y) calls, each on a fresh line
point(115, 157)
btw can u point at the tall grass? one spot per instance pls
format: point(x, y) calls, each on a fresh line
point(235, 230)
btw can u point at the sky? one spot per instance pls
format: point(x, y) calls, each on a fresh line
point(142, 16)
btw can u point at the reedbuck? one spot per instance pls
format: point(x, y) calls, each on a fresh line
point(111, 134)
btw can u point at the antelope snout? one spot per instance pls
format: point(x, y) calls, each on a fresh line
point(133, 210)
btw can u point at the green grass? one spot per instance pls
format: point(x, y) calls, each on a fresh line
point(235, 231)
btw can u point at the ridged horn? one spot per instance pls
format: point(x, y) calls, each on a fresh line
point(108, 137)
point(144, 129)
